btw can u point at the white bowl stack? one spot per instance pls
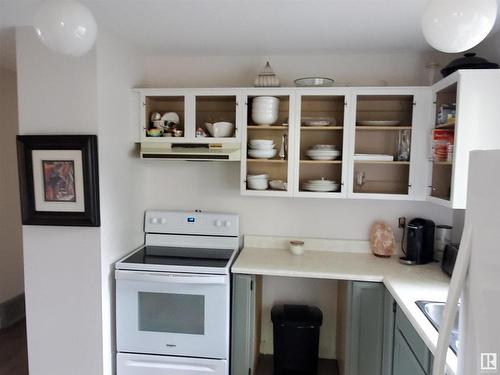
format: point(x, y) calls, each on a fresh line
point(258, 182)
point(323, 152)
point(265, 110)
point(261, 149)
point(321, 185)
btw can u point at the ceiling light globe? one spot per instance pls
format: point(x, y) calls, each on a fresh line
point(457, 25)
point(65, 26)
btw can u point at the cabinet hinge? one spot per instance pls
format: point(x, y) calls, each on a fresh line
point(143, 104)
point(394, 304)
point(249, 371)
point(251, 285)
point(414, 103)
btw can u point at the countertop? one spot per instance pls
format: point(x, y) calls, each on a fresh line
point(407, 284)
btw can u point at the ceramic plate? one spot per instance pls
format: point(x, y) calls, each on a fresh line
point(379, 123)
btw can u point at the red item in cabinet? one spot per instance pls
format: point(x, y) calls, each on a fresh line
point(441, 139)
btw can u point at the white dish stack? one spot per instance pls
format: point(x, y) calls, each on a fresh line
point(265, 110)
point(261, 149)
point(323, 152)
point(258, 182)
point(321, 185)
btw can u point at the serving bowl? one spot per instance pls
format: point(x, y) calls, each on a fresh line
point(261, 143)
point(262, 154)
point(278, 185)
point(314, 82)
point(222, 129)
point(265, 118)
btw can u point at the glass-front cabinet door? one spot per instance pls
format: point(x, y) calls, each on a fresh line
point(267, 143)
point(381, 152)
point(322, 141)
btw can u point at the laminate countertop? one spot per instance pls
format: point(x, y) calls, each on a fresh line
point(407, 284)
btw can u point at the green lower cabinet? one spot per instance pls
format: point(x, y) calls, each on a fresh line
point(365, 329)
point(404, 361)
point(411, 356)
point(242, 325)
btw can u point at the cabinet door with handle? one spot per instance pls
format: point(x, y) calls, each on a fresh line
point(243, 323)
point(404, 361)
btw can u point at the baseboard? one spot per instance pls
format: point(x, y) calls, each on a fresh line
point(12, 311)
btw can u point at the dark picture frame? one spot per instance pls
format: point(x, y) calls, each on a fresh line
point(64, 182)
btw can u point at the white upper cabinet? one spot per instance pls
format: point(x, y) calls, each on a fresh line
point(396, 143)
point(341, 142)
point(276, 162)
point(195, 110)
point(389, 128)
point(473, 96)
point(321, 143)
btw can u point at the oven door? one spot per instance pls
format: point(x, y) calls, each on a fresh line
point(138, 364)
point(172, 313)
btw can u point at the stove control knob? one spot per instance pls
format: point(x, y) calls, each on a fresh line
point(227, 223)
point(218, 223)
point(154, 220)
point(163, 221)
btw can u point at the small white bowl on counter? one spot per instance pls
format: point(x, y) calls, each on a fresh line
point(297, 247)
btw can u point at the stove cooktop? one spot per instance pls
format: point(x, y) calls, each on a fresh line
point(180, 256)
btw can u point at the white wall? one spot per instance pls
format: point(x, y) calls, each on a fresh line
point(122, 174)
point(11, 250)
point(57, 95)
point(345, 69)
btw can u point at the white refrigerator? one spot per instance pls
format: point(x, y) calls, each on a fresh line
point(476, 277)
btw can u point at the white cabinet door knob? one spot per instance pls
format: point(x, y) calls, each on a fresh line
point(218, 223)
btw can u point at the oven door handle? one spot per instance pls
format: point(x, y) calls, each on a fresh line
point(171, 278)
point(170, 366)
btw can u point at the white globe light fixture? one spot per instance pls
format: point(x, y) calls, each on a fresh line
point(458, 25)
point(65, 26)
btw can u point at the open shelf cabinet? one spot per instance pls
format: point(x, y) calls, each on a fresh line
point(379, 176)
point(195, 108)
point(328, 107)
point(281, 133)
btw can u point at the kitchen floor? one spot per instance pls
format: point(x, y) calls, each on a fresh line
point(13, 350)
point(325, 366)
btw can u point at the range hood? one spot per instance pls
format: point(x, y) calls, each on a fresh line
point(193, 152)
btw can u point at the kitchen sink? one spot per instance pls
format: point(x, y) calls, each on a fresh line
point(434, 312)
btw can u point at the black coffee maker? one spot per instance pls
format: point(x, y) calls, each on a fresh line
point(419, 246)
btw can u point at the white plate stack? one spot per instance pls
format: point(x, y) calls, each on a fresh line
point(265, 110)
point(323, 152)
point(261, 149)
point(321, 185)
point(258, 182)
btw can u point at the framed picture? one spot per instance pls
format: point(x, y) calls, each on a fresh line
point(59, 180)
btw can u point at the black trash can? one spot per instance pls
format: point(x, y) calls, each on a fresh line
point(296, 339)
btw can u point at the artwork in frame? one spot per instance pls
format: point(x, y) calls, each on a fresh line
point(59, 181)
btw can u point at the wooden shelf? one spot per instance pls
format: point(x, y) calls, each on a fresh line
point(359, 127)
point(321, 161)
point(445, 126)
point(394, 162)
point(267, 127)
point(321, 127)
point(442, 163)
point(266, 161)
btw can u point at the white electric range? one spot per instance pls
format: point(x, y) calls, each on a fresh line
point(173, 295)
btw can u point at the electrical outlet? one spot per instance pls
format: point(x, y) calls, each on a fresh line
point(401, 222)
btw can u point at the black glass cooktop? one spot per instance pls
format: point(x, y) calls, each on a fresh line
point(180, 256)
